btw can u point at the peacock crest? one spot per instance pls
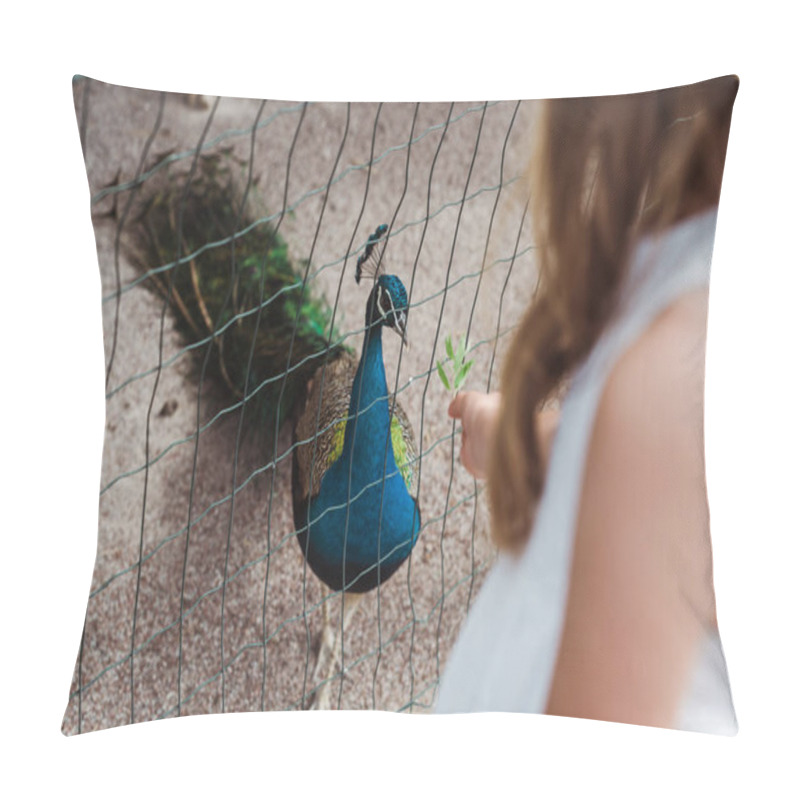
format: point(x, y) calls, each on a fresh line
point(370, 262)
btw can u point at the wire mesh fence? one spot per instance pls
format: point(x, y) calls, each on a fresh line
point(201, 601)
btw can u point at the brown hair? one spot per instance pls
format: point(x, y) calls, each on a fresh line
point(607, 171)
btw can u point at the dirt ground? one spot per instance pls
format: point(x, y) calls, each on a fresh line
point(252, 612)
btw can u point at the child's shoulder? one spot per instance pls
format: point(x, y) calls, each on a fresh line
point(661, 375)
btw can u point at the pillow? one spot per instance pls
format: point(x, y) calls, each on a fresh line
point(292, 293)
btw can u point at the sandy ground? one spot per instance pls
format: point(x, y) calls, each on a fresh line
point(399, 640)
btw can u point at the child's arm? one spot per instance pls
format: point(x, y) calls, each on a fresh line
point(640, 595)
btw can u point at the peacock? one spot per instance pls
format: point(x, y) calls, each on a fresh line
point(245, 301)
point(354, 466)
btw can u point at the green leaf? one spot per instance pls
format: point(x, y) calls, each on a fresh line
point(462, 346)
point(461, 375)
point(448, 346)
point(443, 376)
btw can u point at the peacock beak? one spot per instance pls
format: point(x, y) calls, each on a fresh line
point(399, 326)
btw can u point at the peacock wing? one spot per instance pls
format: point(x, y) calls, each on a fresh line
point(319, 432)
point(404, 447)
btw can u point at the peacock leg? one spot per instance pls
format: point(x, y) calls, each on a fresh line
point(326, 643)
point(323, 696)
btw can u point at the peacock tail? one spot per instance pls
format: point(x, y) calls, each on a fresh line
point(218, 289)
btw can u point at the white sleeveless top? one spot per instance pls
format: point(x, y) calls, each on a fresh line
point(506, 651)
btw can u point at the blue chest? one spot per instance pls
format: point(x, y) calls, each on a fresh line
point(363, 515)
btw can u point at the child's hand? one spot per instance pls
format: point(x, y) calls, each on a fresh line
point(478, 413)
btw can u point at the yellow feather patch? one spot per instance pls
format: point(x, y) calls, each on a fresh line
point(401, 452)
point(398, 448)
point(337, 441)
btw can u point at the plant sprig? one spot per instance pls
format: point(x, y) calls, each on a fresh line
point(461, 368)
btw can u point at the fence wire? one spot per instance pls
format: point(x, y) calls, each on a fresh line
point(199, 601)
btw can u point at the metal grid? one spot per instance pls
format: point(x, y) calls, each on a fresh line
point(166, 634)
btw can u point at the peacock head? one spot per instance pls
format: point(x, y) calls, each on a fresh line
point(388, 305)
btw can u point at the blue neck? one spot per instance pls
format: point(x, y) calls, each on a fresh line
point(369, 395)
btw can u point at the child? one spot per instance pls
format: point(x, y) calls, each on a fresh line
point(601, 603)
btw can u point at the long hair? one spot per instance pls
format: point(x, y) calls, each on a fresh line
point(607, 170)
